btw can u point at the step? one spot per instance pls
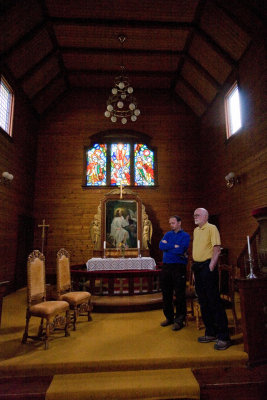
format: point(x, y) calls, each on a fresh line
point(141, 302)
point(142, 384)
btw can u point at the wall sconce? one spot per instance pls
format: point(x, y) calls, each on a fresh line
point(6, 177)
point(231, 179)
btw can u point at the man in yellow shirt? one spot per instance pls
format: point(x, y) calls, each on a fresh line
point(206, 251)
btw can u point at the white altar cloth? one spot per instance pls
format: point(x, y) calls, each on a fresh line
point(114, 264)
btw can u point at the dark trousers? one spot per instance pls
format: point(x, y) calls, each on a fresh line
point(173, 281)
point(211, 305)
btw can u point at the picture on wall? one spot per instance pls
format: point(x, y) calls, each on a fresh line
point(121, 223)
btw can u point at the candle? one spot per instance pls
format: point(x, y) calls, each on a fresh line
point(104, 244)
point(249, 251)
point(121, 191)
point(138, 244)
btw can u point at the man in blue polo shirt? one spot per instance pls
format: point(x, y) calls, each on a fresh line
point(173, 275)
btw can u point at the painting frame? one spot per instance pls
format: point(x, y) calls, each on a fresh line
point(122, 224)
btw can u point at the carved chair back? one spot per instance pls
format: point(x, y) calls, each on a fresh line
point(36, 289)
point(63, 272)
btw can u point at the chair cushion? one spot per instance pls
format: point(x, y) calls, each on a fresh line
point(48, 308)
point(76, 298)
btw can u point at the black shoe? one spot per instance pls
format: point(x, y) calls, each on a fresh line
point(167, 322)
point(177, 326)
point(222, 344)
point(207, 339)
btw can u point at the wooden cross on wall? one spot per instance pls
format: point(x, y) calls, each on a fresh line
point(43, 226)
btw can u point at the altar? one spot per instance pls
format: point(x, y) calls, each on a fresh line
point(121, 264)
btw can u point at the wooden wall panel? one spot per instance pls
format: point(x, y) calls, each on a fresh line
point(245, 154)
point(192, 164)
point(17, 156)
point(69, 209)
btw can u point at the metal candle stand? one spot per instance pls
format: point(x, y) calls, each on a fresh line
point(251, 274)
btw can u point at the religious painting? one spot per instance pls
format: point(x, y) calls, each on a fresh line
point(121, 223)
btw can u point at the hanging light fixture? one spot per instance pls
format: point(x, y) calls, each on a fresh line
point(121, 104)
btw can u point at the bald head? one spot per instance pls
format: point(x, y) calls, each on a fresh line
point(201, 216)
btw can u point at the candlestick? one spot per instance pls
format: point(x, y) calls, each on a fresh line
point(249, 250)
point(104, 246)
point(138, 246)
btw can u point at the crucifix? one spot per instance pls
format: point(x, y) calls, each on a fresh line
point(121, 187)
point(43, 226)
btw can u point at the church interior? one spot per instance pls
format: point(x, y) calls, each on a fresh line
point(59, 61)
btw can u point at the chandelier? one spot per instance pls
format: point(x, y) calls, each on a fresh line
point(121, 104)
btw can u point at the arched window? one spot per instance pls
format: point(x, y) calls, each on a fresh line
point(113, 161)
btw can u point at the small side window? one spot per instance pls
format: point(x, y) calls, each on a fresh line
point(6, 106)
point(232, 111)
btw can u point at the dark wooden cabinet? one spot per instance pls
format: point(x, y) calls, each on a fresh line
point(253, 302)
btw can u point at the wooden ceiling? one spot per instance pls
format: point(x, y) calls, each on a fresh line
point(188, 47)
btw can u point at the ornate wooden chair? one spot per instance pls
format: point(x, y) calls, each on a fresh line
point(38, 306)
point(226, 288)
point(190, 292)
point(227, 293)
point(79, 302)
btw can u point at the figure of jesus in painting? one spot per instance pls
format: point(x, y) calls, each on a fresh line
point(117, 231)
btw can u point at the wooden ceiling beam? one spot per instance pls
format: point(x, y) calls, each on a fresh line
point(120, 23)
point(208, 39)
point(17, 87)
point(53, 39)
point(221, 5)
point(90, 50)
point(24, 39)
point(37, 66)
point(50, 83)
point(204, 72)
point(198, 14)
point(148, 74)
point(194, 91)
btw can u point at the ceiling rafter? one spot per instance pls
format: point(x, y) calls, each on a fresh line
point(165, 48)
point(111, 73)
point(216, 47)
point(194, 91)
point(53, 39)
point(49, 84)
point(234, 18)
point(189, 41)
point(90, 50)
point(120, 23)
point(37, 66)
point(26, 38)
point(204, 72)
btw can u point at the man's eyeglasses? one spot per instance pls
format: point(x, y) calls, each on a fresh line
point(196, 215)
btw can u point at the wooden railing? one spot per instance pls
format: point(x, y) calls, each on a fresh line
point(111, 283)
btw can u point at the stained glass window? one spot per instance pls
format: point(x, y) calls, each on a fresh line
point(96, 165)
point(120, 164)
point(144, 165)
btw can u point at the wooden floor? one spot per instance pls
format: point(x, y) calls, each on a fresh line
point(236, 382)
